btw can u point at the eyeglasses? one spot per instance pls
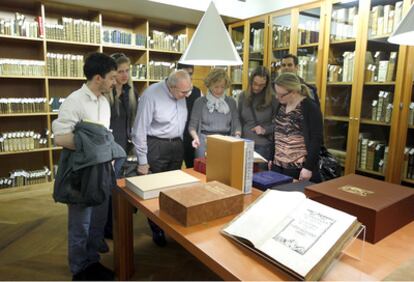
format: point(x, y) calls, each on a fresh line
point(283, 94)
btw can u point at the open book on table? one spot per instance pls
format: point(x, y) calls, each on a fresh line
point(299, 235)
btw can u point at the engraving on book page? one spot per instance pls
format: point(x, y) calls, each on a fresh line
point(302, 232)
point(356, 190)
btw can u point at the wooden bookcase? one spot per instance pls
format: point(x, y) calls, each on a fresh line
point(17, 47)
point(317, 31)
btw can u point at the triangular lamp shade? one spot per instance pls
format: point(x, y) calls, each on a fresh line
point(211, 44)
point(404, 34)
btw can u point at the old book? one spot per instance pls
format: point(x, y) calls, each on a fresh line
point(387, 17)
point(198, 203)
point(405, 162)
point(378, 156)
point(398, 13)
point(411, 114)
point(364, 150)
point(382, 70)
point(391, 67)
point(297, 234)
point(150, 185)
point(230, 161)
point(371, 154)
point(381, 206)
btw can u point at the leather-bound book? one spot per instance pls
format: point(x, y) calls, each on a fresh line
point(198, 203)
point(381, 206)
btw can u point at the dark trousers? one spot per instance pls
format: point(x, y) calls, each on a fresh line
point(188, 152)
point(163, 155)
point(295, 172)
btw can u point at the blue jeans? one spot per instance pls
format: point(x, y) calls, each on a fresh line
point(85, 229)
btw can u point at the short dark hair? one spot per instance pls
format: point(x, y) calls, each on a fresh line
point(98, 63)
point(295, 59)
point(181, 66)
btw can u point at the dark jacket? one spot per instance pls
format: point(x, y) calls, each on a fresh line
point(85, 176)
point(312, 132)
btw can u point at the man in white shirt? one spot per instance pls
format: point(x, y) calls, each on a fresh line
point(86, 223)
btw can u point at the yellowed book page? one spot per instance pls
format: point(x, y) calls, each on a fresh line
point(306, 235)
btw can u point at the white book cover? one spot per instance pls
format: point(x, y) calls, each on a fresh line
point(150, 185)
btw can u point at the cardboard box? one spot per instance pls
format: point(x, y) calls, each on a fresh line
point(200, 203)
point(381, 206)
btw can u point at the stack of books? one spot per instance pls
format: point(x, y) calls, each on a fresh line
point(408, 168)
point(308, 32)
point(258, 39)
point(116, 36)
point(139, 71)
point(384, 19)
point(281, 36)
point(381, 109)
point(160, 70)
point(344, 72)
point(64, 65)
point(307, 67)
point(22, 67)
point(21, 177)
point(22, 105)
point(20, 26)
point(379, 68)
point(77, 30)
point(21, 141)
point(163, 41)
point(344, 23)
point(372, 154)
point(411, 114)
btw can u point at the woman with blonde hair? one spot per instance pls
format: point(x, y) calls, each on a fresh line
point(298, 130)
point(215, 113)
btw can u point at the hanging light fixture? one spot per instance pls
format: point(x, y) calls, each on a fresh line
point(404, 34)
point(211, 44)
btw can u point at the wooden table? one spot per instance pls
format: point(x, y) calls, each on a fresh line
point(233, 262)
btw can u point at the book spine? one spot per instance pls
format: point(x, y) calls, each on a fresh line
point(248, 166)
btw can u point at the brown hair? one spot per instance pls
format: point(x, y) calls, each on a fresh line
point(217, 75)
point(260, 71)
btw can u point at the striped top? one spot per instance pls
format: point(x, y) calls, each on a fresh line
point(290, 148)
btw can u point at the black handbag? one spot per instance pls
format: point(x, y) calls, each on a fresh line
point(329, 167)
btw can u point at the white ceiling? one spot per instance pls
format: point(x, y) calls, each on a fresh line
point(187, 11)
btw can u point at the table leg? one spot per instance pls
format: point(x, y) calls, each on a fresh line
point(123, 236)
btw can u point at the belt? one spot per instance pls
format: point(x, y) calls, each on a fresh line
point(164, 139)
point(205, 132)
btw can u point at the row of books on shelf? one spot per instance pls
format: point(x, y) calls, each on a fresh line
point(29, 105)
point(164, 41)
point(379, 68)
point(139, 71)
point(22, 177)
point(64, 65)
point(77, 30)
point(339, 155)
point(382, 107)
point(344, 72)
point(258, 39)
point(19, 26)
point(411, 114)
point(307, 67)
point(236, 74)
point(384, 19)
point(308, 32)
point(408, 168)
point(160, 70)
point(281, 36)
point(22, 67)
point(372, 154)
point(115, 36)
point(22, 141)
point(344, 23)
